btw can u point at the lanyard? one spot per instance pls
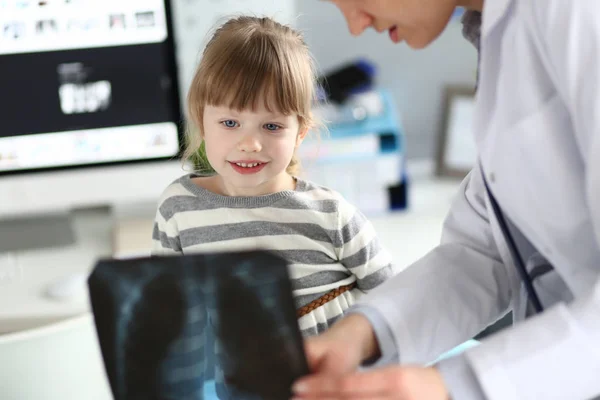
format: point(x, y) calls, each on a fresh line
point(514, 252)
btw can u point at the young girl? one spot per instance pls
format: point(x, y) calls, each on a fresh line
point(250, 103)
point(249, 107)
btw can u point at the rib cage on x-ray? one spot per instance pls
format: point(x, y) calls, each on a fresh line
point(153, 316)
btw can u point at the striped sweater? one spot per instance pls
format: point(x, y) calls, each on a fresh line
point(327, 242)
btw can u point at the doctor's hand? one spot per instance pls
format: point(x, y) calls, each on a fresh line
point(398, 383)
point(343, 347)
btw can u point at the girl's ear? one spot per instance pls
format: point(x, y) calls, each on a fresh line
point(301, 135)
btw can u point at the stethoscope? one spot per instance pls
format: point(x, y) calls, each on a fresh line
point(514, 252)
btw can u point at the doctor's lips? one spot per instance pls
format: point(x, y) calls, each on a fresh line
point(248, 166)
point(393, 32)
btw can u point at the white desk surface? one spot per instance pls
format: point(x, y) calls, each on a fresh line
point(408, 235)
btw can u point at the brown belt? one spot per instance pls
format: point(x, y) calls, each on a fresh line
point(327, 297)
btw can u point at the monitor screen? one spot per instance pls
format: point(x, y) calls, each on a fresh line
point(86, 82)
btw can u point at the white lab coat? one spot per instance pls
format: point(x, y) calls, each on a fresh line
point(538, 134)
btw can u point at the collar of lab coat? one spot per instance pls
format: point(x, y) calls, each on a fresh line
point(493, 12)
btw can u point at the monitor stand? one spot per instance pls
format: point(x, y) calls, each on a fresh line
point(34, 232)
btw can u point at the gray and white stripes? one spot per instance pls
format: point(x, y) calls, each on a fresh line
point(327, 242)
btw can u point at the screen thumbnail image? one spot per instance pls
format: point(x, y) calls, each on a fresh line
point(117, 21)
point(45, 26)
point(14, 30)
point(83, 25)
point(145, 19)
point(12, 3)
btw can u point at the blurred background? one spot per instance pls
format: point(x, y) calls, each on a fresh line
point(91, 100)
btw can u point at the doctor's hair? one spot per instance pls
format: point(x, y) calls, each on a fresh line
point(250, 59)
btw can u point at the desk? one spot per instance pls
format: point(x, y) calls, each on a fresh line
point(22, 301)
point(408, 235)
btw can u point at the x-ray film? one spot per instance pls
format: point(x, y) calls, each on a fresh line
point(168, 325)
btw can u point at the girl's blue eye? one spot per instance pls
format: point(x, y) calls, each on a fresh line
point(272, 127)
point(230, 123)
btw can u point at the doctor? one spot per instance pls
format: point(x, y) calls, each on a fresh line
point(523, 233)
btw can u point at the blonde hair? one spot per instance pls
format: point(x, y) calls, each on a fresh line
point(248, 59)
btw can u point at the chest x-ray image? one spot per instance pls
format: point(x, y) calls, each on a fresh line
point(167, 325)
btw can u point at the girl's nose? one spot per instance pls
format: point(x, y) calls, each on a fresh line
point(250, 144)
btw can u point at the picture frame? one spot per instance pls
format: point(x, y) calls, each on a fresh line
point(457, 153)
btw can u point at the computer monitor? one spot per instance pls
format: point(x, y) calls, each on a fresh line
point(89, 104)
